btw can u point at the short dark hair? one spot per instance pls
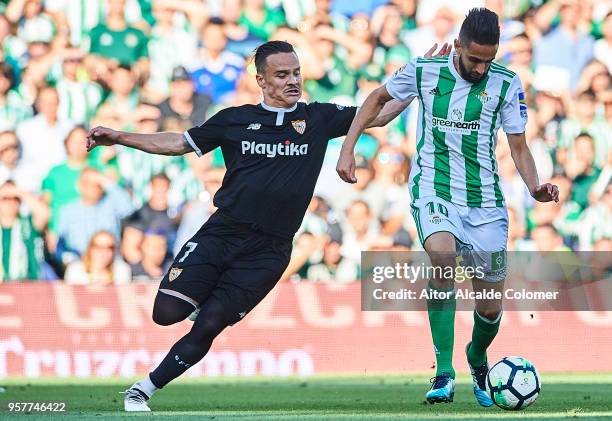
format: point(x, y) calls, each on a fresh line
point(481, 26)
point(265, 50)
point(585, 135)
point(160, 176)
point(588, 94)
point(6, 70)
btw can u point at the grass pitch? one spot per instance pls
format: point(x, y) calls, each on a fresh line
point(372, 397)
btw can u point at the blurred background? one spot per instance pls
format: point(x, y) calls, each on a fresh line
point(156, 65)
point(118, 215)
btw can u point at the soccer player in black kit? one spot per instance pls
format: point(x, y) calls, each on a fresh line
point(273, 152)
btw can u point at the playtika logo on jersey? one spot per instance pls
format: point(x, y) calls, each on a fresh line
point(271, 150)
point(455, 124)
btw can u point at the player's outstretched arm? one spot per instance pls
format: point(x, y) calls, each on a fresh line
point(521, 155)
point(394, 107)
point(374, 112)
point(165, 143)
point(370, 109)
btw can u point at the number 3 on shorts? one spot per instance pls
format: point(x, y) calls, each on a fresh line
point(191, 246)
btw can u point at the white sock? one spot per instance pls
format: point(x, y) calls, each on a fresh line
point(147, 386)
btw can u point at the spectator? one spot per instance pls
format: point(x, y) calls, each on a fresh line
point(198, 210)
point(11, 166)
point(101, 207)
point(387, 25)
point(307, 251)
point(358, 190)
point(173, 41)
point(13, 108)
point(564, 215)
point(216, 70)
point(333, 267)
point(338, 80)
point(22, 246)
point(184, 108)
point(13, 48)
point(116, 40)
point(76, 18)
point(42, 137)
point(516, 193)
point(131, 243)
point(356, 51)
point(517, 232)
point(79, 99)
point(441, 29)
point(240, 40)
point(580, 169)
point(387, 191)
point(359, 230)
point(547, 239)
point(564, 51)
point(60, 185)
point(122, 102)
point(350, 7)
point(98, 265)
point(595, 223)
point(603, 47)
point(519, 55)
point(155, 213)
point(595, 78)
point(32, 22)
point(584, 119)
point(155, 257)
point(260, 20)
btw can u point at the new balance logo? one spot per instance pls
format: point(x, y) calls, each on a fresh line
point(181, 362)
point(254, 126)
point(435, 92)
point(242, 314)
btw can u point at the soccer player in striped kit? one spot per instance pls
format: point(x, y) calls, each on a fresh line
point(457, 202)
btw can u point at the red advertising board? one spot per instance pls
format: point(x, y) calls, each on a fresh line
point(299, 329)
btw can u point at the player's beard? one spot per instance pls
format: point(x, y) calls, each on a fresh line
point(465, 74)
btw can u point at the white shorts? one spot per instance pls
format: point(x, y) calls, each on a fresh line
point(482, 232)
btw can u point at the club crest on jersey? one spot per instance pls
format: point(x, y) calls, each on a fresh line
point(456, 115)
point(435, 219)
point(299, 126)
point(174, 273)
point(484, 97)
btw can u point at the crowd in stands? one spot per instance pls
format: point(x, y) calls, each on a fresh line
point(116, 214)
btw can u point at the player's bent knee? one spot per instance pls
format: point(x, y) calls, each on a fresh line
point(165, 320)
point(168, 310)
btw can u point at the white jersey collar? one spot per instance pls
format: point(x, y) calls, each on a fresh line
point(280, 112)
point(276, 109)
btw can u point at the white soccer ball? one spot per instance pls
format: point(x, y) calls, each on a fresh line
point(513, 383)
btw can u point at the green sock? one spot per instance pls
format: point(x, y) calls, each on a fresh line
point(483, 334)
point(442, 323)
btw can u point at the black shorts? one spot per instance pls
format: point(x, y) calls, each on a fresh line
point(230, 261)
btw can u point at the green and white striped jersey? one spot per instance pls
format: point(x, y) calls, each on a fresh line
point(456, 136)
point(79, 101)
point(13, 110)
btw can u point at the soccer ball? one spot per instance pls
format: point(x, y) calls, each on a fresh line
point(513, 383)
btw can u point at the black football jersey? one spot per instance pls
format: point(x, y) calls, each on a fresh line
point(273, 158)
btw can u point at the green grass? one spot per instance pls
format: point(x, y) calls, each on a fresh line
point(372, 397)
